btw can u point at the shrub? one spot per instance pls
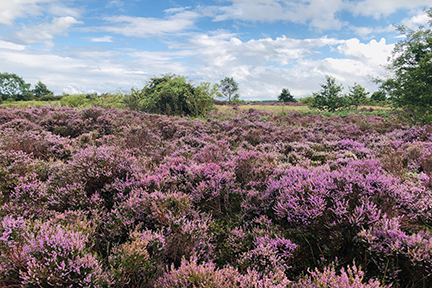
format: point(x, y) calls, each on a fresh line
point(46, 255)
point(75, 100)
point(173, 96)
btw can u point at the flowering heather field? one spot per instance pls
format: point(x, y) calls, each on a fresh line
point(115, 198)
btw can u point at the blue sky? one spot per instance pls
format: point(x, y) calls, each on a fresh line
point(78, 46)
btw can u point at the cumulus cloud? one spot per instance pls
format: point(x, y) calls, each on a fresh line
point(381, 8)
point(142, 27)
point(72, 72)
point(45, 32)
point(10, 10)
point(319, 14)
point(224, 49)
point(374, 52)
point(421, 18)
point(10, 46)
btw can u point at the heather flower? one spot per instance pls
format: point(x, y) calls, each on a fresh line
point(352, 277)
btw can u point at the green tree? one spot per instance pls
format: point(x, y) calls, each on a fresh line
point(286, 96)
point(329, 97)
point(40, 90)
point(379, 96)
point(14, 88)
point(228, 88)
point(174, 95)
point(357, 95)
point(410, 86)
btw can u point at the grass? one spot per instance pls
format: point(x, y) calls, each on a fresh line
point(267, 108)
point(305, 110)
point(29, 104)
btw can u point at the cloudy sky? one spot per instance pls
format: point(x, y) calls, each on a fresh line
point(86, 46)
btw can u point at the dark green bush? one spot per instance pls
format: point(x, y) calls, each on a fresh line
point(172, 95)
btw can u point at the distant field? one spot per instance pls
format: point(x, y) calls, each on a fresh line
point(268, 108)
point(29, 104)
point(282, 109)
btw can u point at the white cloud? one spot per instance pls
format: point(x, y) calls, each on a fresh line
point(225, 50)
point(374, 53)
point(11, 46)
point(362, 31)
point(149, 27)
point(44, 33)
point(115, 3)
point(102, 39)
point(316, 13)
point(421, 18)
point(319, 14)
point(378, 8)
point(10, 10)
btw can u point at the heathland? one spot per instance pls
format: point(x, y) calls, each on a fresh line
point(244, 197)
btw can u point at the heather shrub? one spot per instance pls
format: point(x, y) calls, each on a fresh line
point(185, 231)
point(40, 144)
point(192, 274)
point(136, 263)
point(403, 256)
point(46, 255)
point(270, 252)
point(351, 277)
point(94, 169)
point(20, 125)
point(15, 167)
point(72, 123)
point(6, 116)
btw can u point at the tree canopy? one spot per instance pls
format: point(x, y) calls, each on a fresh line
point(329, 97)
point(228, 88)
point(13, 87)
point(41, 89)
point(286, 96)
point(410, 86)
point(357, 95)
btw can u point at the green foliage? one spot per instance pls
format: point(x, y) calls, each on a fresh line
point(172, 95)
point(41, 90)
point(228, 88)
point(330, 97)
point(379, 96)
point(108, 100)
point(13, 87)
point(357, 95)
point(410, 87)
point(307, 100)
point(133, 99)
point(286, 96)
point(75, 100)
point(50, 98)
